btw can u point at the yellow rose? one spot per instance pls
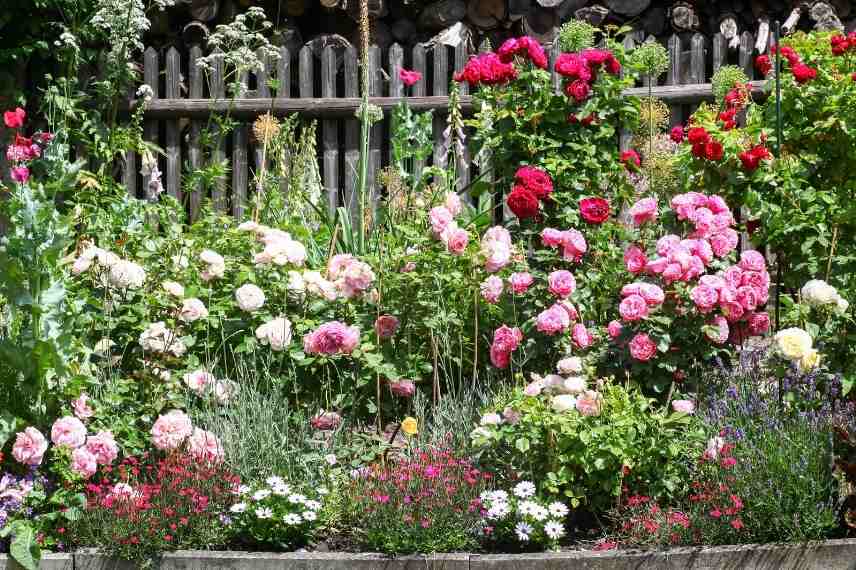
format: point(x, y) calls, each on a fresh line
point(409, 426)
point(793, 343)
point(809, 361)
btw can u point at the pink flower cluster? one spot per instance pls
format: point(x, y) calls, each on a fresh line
point(580, 70)
point(561, 283)
point(556, 318)
point(487, 69)
point(571, 241)
point(351, 276)
point(174, 429)
point(638, 298)
point(23, 149)
point(444, 227)
point(491, 289)
point(496, 248)
point(644, 210)
point(505, 341)
point(525, 47)
point(332, 338)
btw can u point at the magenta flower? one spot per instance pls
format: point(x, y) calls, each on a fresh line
point(409, 77)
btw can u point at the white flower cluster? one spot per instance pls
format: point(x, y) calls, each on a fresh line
point(277, 500)
point(119, 273)
point(203, 382)
point(161, 340)
point(819, 293)
point(123, 22)
point(276, 333)
point(526, 517)
point(250, 298)
point(280, 249)
point(215, 265)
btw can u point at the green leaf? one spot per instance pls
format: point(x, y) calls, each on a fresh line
point(522, 444)
point(24, 549)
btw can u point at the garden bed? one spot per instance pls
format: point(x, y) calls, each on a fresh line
point(827, 555)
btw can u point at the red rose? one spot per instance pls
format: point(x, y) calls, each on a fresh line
point(763, 64)
point(385, 326)
point(677, 134)
point(522, 202)
point(853, 77)
point(787, 53)
point(752, 158)
point(594, 210)
point(803, 73)
point(15, 119)
point(713, 150)
point(578, 90)
point(728, 119)
point(839, 44)
point(698, 135)
point(698, 149)
point(535, 180)
point(630, 157)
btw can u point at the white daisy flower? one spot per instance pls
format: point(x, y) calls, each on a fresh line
point(243, 490)
point(554, 530)
point(524, 489)
point(309, 515)
point(523, 531)
point(275, 481)
point(261, 495)
point(281, 490)
point(292, 518)
point(312, 505)
point(296, 499)
point(539, 513)
point(498, 511)
point(264, 513)
point(558, 510)
point(526, 508)
point(238, 507)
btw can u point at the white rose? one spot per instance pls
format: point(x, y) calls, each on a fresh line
point(491, 420)
point(199, 381)
point(570, 365)
point(210, 257)
point(173, 288)
point(192, 310)
point(564, 402)
point(249, 226)
point(276, 333)
point(126, 275)
point(106, 258)
point(319, 286)
point(158, 338)
point(180, 261)
point(554, 382)
point(295, 282)
point(793, 343)
point(817, 292)
point(250, 298)
point(574, 385)
point(841, 306)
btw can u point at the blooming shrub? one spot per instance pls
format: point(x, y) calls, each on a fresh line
point(520, 518)
point(276, 515)
point(428, 501)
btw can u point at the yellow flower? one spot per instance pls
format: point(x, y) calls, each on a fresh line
point(793, 343)
point(409, 426)
point(810, 360)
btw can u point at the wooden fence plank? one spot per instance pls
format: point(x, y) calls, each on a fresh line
point(283, 93)
point(352, 134)
point(462, 54)
point(261, 161)
point(720, 51)
point(330, 130)
point(674, 76)
point(747, 46)
point(419, 91)
point(440, 87)
point(396, 86)
point(240, 173)
point(462, 164)
point(217, 90)
point(554, 75)
point(151, 73)
point(194, 149)
point(173, 130)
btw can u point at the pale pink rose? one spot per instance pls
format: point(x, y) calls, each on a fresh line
point(733, 276)
point(199, 381)
point(204, 445)
point(581, 336)
point(683, 406)
point(534, 388)
point(704, 297)
point(642, 348)
point(453, 203)
point(645, 210)
point(81, 407)
point(751, 260)
point(672, 272)
point(759, 323)
point(715, 282)
point(520, 282)
point(171, 429)
point(440, 217)
point(614, 328)
point(568, 308)
point(635, 259)
point(699, 200)
point(553, 320)
point(703, 220)
point(511, 416)
point(497, 253)
point(554, 382)
point(695, 269)
point(716, 204)
point(326, 421)
point(497, 234)
point(250, 297)
point(83, 463)
point(491, 289)
point(490, 419)
point(574, 245)
point(700, 248)
point(103, 447)
point(456, 239)
point(349, 275)
point(192, 310)
point(561, 283)
point(68, 431)
point(552, 237)
point(714, 447)
point(574, 385)
point(720, 334)
point(386, 326)
point(570, 365)
point(652, 294)
point(724, 242)
point(666, 244)
point(722, 221)
point(684, 206)
point(29, 447)
point(633, 308)
point(402, 388)
point(747, 298)
point(658, 265)
point(589, 403)
point(332, 338)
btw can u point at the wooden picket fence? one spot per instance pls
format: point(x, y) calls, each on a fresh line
point(327, 88)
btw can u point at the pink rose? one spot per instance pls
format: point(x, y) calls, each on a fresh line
point(614, 328)
point(103, 447)
point(561, 283)
point(19, 174)
point(553, 320)
point(507, 338)
point(456, 239)
point(657, 265)
point(588, 403)
point(747, 298)
point(666, 244)
point(720, 336)
point(722, 221)
point(684, 206)
point(635, 260)
point(652, 294)
point(713, 281)
point(733, 276)
point(326, 421)
point(551, 237)
point(205, 446)
point(581, 336)
point(81, 407)
point(574, 245)
point(520, 282)
point(633, 308)
point(402, 388)
point(171, 429)
point(68, 431)
point(534, 388)
point(83, 463)
point(386, 326)
point(29, 447)
point(716, 204)
point(724, 242)
point(453, 203)
point(645, 210)
point(409, 77)
point(683, 406)
point(332, 338)
point(751, 260)
point(732, 311)
point(491, 289)
point(702, 219)
point(496, 248)
point(672, 272)
point(642, 348)
point(568, 308)
point(759, 323)
point(704, 297)
point(440, 217)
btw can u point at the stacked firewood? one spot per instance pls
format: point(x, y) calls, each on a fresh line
point(334, 22)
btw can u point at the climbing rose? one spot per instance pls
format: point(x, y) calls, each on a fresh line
point(409, 77)
point(633, 308)
point(332, 338)
point(524, 46)
point(594, 210)
point(561, 283)
point(635, 259)
point(763, 64)
point(520, 282)
point(581, 336)
point(642, 348)
point(645, 210)
point(614, 329)
point(522, 202)
point(535, 180)
point(505, 341)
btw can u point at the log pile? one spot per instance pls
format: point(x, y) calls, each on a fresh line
point(412, 21)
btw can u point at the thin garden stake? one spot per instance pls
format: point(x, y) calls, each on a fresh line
point(778, 153)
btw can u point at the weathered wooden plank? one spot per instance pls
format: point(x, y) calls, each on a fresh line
point(744, 58)
point(673, 94)
point(674, 74)
point(151, 73)
point(352, 133)
point(306, 73)
point(417, 92)
point(440, 88)
point(554, 75)
point(461, 56)
point(283, 92)
point(720, 51)
point(330, 130)
point(194, 148)
point(396, 86)
point(173, 130)
point(240, 168)
point(697, 59)
point(217, 90)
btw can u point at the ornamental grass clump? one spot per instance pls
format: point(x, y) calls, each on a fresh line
point(427, 500)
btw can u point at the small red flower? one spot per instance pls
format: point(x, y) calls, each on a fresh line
point(803, 73)
point(15, 119)
point(677, 134)
point(713, 150)
point(409, 77)
point(523, 203)
point(579, 90)
point(698, 135)
point(839, 44)
point(737, 523)
point(630, 158)
point(594, 210)
point(763, 64)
